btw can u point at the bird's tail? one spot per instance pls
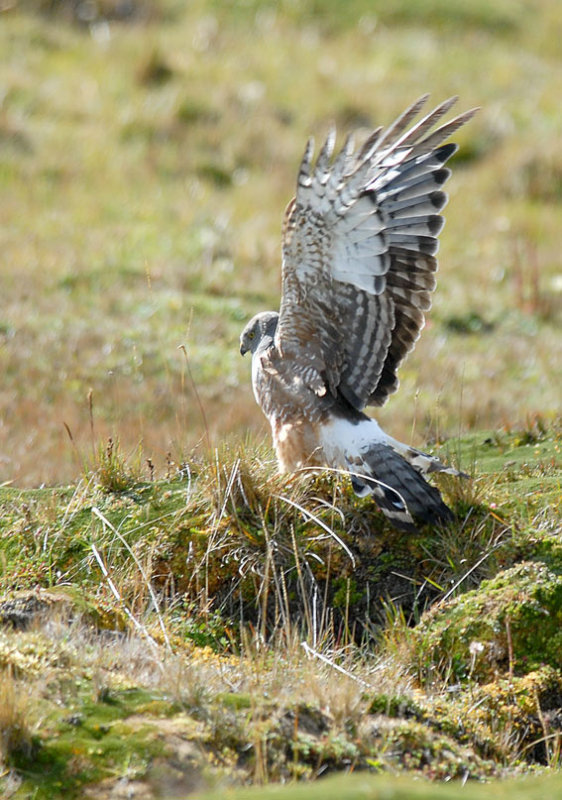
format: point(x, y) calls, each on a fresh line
point(394, 475)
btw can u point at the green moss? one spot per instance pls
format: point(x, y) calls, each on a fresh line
point(48, 534)
point(511, 622)
point(235, 700)
point(92, 741)
point(346, 593)
point(394, 706)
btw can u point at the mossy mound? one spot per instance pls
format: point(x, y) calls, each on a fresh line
point(507, 720)
point(512, 622)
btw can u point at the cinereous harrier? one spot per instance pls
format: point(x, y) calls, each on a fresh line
point(359, 245)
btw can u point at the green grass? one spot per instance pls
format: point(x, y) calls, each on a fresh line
point(145, 167)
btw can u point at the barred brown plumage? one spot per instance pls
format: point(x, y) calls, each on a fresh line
point(359, 245)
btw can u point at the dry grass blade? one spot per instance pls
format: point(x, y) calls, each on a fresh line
point(15, 732)
point(313, 518)
point(138, 625)
point(311, 653)
point(140, 568)
point(469, 572)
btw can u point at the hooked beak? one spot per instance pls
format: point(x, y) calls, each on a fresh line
point(243, 350)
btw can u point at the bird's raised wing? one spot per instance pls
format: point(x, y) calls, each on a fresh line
point(359, 245)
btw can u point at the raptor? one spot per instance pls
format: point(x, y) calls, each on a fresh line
point(359, 244)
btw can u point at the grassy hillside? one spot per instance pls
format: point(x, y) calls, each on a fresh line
point(147, 152)
point(177, 620)
point(226, 626)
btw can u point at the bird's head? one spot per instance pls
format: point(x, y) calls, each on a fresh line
point(260, 329)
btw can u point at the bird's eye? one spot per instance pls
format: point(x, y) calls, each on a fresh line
point(251, 334)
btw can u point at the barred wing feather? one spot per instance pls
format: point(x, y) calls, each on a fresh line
point(359, 245)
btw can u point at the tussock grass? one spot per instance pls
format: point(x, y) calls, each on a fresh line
point(113, 472)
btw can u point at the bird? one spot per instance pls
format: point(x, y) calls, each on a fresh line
point(359, 244)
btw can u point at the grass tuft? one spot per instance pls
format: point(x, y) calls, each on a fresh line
point(16, 736)
point(113, 472)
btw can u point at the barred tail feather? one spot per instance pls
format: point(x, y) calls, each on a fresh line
point(398, 488)
point(392, 472)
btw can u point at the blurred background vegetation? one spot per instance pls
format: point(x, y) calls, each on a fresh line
point(147, 151)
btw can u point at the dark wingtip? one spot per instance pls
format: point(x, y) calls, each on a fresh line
point(435, 223)
point(438, 199)
point(445, 152)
